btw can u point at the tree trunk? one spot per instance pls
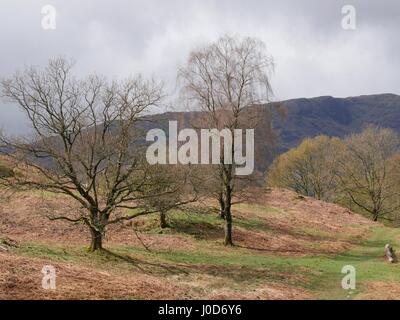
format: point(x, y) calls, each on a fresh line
point(227, 202)
point(228, 228)
point(221, 205)
point(228, 217)
point(163, 221)
point(97, 240)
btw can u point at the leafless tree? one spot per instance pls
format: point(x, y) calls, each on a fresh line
point(225, 79)
point(84, 143)
point(366, 170)
point(175, 186)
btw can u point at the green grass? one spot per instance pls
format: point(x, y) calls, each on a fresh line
point(202, 225)
point(260, 210)
point(41, 250)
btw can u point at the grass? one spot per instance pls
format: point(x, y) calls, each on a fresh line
point(261, 210)
point(321, 275)
point(237, 267)
point(204, 225)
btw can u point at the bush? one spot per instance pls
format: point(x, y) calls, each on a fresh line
point(6, 172)
point(310, 169)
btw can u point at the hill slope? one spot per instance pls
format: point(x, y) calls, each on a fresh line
point(336, 116)
point(286, 248)
point(308, 118)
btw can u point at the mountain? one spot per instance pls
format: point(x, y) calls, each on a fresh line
point(335, 116)
point(307, 118)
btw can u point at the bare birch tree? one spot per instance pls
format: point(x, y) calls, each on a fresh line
point(225, 79)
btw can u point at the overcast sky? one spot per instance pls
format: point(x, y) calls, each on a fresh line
point(313, 54)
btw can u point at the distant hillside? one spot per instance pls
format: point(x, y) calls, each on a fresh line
point(308, 118)
point(335, 116)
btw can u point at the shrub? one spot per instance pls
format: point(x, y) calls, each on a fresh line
point(6, 172)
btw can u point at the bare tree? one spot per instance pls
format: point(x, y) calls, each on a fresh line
point(225, 79)
point(84, 142)
point(366, 171)
point(175, 186)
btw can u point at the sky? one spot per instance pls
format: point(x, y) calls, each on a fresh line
point(314, 55)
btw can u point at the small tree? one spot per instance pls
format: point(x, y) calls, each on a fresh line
point(366, 171)
point(310, 169)
point(175, 186)
point(84, 142)
point(224, 79)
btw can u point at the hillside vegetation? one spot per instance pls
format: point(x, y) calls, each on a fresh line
point(360, 172)
point(287, 247)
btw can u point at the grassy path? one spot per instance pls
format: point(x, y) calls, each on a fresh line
point(322, 274)
point(368, 260)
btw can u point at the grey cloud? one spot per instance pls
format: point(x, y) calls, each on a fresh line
point(314, 55)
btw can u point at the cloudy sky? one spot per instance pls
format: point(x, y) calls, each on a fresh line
point(313, 54)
